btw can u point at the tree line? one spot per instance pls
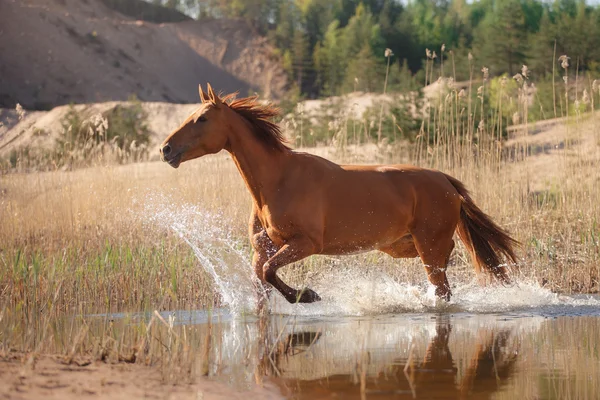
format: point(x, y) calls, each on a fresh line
point(329, 47)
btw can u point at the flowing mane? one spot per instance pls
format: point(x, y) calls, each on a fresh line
point(260, 117)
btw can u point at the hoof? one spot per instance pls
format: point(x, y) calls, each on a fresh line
point(307, 296)
point(443, 293)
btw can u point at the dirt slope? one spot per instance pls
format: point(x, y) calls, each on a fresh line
point(55, 52)
point(40, 129)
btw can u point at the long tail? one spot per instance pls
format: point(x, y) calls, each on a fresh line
point(485, 240)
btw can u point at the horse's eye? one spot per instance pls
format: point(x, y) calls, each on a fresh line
point(202, 119)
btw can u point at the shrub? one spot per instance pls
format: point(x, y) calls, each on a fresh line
point(119, 135)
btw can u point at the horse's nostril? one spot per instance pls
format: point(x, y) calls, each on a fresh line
point(166, 150)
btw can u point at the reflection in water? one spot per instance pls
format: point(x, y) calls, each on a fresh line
point(551, 352)
point(434, 376)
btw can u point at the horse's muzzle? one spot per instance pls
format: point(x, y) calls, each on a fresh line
point(172, 159)
point(166, 155)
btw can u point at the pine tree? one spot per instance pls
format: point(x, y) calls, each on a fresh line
point(541, 44)
point(300, 58)
point(330, 59)
point(501, 40)
point(364, 72)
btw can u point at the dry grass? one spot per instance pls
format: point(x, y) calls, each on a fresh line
point(83, 241)
point(74, 243)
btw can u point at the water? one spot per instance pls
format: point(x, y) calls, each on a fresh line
point(545, 352)
point(374, 337)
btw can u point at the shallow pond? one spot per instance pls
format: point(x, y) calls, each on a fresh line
point(543, 352)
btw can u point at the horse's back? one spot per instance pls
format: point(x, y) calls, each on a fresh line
point(403, 177)
point(406, 193)
point(380, 186)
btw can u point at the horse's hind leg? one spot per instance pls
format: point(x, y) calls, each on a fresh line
point(434, 250)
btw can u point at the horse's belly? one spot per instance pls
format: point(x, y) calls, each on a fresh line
point(354, 242)
point(346, 249)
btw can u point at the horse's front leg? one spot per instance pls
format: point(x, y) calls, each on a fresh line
point(264, 248)
point(294, 250)
point(263, 289)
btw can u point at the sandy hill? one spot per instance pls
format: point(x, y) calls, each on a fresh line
point(55, 52)
point(40, 129)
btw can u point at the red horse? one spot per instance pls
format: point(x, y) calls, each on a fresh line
point(305, 205)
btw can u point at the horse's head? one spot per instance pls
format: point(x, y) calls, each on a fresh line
point(203, 132)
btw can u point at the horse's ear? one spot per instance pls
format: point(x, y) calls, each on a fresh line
point(203, 96)
point(213, 97)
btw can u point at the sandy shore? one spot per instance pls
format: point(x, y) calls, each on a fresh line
point(49, 377)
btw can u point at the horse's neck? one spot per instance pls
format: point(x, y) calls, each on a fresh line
point(260, 167)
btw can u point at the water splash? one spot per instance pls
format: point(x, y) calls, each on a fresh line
point(346, 290)
point(353, 292)
point(221, 255)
